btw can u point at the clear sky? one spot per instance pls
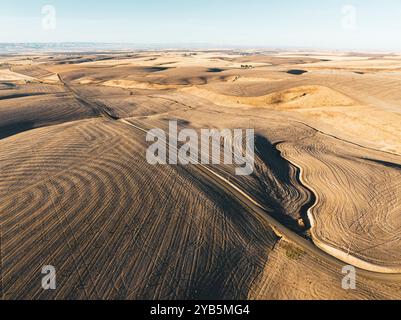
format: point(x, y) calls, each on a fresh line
point(331, 24)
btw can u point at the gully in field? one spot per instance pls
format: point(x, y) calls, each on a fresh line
point(187, 147)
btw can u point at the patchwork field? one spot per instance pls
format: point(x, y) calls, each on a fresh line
point(77, 192)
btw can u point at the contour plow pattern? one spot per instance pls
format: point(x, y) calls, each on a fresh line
point(77, 192)
point(97, 217)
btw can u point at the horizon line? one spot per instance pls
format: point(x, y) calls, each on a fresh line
point(201, 46)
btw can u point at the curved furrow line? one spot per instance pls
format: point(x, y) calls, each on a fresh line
point(345, 178)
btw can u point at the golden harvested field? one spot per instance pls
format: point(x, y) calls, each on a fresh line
point(77, 192)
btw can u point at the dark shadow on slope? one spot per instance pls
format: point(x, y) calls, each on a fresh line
point(281, 169)
point(22, 95)
point(385, 163)
point(215, 70)
point(7, 85)
point(297, 72)
point(15, 128)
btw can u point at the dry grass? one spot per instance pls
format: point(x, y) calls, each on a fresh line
point(77, 192)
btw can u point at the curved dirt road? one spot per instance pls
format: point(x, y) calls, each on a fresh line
point(262, 215)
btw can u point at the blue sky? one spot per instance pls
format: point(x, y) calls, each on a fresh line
point(258, 23)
